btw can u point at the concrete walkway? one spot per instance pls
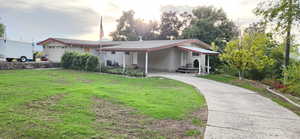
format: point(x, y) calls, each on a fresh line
point(237, 113)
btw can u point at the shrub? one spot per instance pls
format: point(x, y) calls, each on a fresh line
point(67, 59)
point(78, 61)
point(292, 79)
point(92, 63)
point(83, 61)
point(128, 71)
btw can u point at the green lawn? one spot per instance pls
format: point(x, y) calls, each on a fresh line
point(251, 85)
point(71, 104)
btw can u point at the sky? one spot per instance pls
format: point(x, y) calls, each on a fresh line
point(36, 20)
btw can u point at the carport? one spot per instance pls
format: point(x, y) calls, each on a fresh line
point(162, 55)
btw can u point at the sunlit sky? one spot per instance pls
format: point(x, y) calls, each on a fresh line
point(36, 20)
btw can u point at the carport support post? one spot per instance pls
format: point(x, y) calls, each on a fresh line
point(199, 66)
point(124, 64)
point(208, 67)
point(146, 63)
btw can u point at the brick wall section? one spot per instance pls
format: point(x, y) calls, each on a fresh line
point(27, 65)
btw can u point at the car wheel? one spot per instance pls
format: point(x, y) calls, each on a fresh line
point(23, 59)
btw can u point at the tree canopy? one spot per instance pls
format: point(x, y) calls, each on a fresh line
point(210, 24)
point(170, 26)
point(129, 28)
point(285, 14)
point(248, 53)
point(2, 30)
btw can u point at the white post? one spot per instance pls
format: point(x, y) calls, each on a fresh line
point(104, 59)
point(208, 67)
point(124, 64)
point(146, 64)
point(199, 70)
point(99, 52)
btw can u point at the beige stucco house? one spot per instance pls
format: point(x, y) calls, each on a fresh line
point(156, 55)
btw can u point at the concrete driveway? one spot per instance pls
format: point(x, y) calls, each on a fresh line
point(237, 113)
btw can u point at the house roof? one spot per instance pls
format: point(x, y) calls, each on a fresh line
point(73, 42)
point(153, 45)
point(149, 45)
point(199, 50)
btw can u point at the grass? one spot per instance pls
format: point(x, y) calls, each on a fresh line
point(192, 132)
point(251, 86)
point(61, 104)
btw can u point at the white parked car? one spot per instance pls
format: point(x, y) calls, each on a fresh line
point(21, 51)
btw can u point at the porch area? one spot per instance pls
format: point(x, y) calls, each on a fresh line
point(185, 56)
point(195, 60)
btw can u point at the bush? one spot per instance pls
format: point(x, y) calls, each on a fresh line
point(92, 63)
point(67, 59)
point(128, 71)
point(292, 79)
point(78, 61)
point(83, 61)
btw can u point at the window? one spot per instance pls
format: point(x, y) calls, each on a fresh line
point(195, 54)
point(113, 52)
point(127, 53)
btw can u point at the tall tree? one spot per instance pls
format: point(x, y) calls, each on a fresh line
point(170, 25)
point(129, 28)
point(147, 30)
point(248, 53)
point(2, 30)
point(285, 13)
point(210, 24)
point(125, 29)
point(256, 27)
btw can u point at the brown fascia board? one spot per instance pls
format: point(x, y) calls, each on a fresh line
point(72, 44)
point(50, 39)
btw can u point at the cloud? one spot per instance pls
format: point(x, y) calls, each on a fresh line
point(42, 21)
point(179, 9)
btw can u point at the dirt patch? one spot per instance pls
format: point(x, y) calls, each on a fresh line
point(84, 80)
point(49, 101)
point(126, 122)
point(42, 109)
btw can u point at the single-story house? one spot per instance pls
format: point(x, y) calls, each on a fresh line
point(154, 55)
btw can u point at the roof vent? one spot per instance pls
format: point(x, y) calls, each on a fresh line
point(140, 38)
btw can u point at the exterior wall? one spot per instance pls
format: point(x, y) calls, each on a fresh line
point(163, 60)
point(54, 51)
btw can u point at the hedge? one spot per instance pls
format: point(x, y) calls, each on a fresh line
point(128, 71)
point(80, 61)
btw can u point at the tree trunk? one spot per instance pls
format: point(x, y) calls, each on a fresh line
point(240, 75)
point(287, 47)
point(288, 34)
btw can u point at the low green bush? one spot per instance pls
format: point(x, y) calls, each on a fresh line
point(91, 63)
point(292, 79)
point(76, 61)
point(80, 61)
point(66, 60)
point(120, 71)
